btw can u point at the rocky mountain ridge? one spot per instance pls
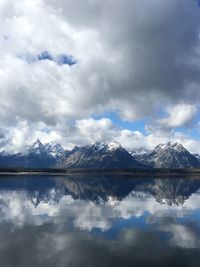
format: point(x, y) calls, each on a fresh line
point(101, 156)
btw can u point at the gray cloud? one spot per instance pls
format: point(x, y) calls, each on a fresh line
point(156, 50)
point(132, 57)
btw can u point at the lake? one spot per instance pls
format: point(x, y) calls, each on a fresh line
point(99, 221)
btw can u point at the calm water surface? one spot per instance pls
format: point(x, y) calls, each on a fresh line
point(99, 221)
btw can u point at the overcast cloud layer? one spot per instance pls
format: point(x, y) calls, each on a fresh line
point(63, 61)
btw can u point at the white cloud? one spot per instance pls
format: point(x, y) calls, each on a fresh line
point(103, 130)
point(19, 208)
point(87, 131)
point(128, 61)
point(182, 236)
point(178, 115)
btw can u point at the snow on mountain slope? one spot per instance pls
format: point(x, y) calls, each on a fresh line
point(55, 149)
point(100, 156)
point(36, 156)
point(36, 148)
point(140, 154)
point(171, 155)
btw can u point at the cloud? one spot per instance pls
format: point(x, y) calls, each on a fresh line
point(128, 61)
point(18, 137)
point(178, 115)
point(19, 208)
point(182, 236)
point(61, 225)
point(103, 130)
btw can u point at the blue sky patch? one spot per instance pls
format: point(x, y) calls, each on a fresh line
point(115, 118)
point(45, 55)
point(65, 60)
point(60, 59)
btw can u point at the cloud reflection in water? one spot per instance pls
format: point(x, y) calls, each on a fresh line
point(71, 220)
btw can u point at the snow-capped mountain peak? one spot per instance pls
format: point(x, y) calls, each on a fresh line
point(37, 147)
point(54, 149)
point(37, 144)
point(114, 145)
point(99, 145)
point(102, 156)
point(99, 156)
point(104, 146)
point(176, 146)
point(172, 155)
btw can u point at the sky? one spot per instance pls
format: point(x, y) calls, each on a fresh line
point(77, 72)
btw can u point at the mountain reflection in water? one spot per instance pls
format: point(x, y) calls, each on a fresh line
point(99, 221)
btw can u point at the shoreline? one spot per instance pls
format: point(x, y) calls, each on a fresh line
point(84, 172)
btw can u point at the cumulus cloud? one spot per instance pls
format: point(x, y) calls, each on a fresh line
point(18, 137)
point(103, 130)
point(178, 115)
point(127, 60)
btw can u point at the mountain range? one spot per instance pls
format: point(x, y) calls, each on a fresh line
point(101, 156)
